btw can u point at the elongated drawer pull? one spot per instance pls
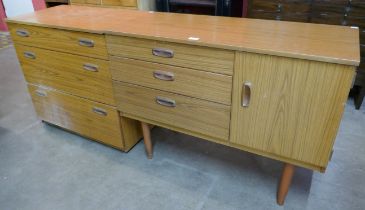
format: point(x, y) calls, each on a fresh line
point(86, 42)
point(165, 101)
point(161, 52)
point(30, 55)
point(246, 94)
point(100, 111)
point(90, 67)
point(22, 32)
point(41, 93)
point(164, 75)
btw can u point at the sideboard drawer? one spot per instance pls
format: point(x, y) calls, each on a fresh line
point(97, 121)
point(81, 43)
point(122, 3)
point(186, 113)
point(182, 55)
point(194, 83)
point(78, 75)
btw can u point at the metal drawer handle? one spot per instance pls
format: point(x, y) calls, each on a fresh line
point(161, 52)
point(246, 94)
point(164, 75)
point(29, 55)
point(22, 32)
point(90, 67)
point(41, 93)
point(165, 101)
point(86, 42)
point(100, 111)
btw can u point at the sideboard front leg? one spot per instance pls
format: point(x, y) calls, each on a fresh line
point(147, 139)
point(285, 181)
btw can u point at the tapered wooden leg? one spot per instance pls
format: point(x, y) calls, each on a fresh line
point(147, 139)
point(285, 182)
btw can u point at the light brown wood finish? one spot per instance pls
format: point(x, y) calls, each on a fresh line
point(123, 3)
point(147, 139)
point(67, 73)
point(60, 40)
point(285, 181)
point(79, 115)
point(199, 84)
point(295, 106)
point(194, 115)
point(131, 131)
point(335, 44)
point(201, 58)
point(86, 2)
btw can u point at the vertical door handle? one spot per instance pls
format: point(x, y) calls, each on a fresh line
point(86, 42)
point(246, 94)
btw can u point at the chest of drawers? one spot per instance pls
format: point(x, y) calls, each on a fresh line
point(276, 89)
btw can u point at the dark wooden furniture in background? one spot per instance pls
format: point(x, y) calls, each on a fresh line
point(334, 12)
point(52, 3)
point(207, 7)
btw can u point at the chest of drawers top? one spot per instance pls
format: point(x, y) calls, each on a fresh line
point(333, 44)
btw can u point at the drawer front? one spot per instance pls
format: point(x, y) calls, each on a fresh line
point(77, 75)
point(195, 57)
point(87, 44)
point(194, 83)
point(97, 121)
point(122, 3)
point(189, 114)
point(91, 2)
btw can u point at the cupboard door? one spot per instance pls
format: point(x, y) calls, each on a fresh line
point(288, 108)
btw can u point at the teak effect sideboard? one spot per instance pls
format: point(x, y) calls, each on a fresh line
point(276, 89)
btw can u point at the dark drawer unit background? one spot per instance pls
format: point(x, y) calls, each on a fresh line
point(333, 12)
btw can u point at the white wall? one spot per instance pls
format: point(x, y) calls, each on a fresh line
point(17, 7)
point(147, 5)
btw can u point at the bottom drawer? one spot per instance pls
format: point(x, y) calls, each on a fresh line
point(94, 120)
point(189, 115)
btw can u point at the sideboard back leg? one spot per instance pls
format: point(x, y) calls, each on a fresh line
point(147, 139)
point(285, 181)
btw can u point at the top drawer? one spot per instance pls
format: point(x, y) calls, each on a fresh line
point(122, 3)
point(81, 43)
point(183, 55)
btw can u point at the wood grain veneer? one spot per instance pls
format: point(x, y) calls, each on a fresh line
point(194, 115)
point(295, 107)
point(66, 72)
point(334, 44)
point(198, 84)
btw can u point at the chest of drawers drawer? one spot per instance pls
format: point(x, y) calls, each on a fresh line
point(194, 57)
point(184, 113)
point(86, 2)
point(80, 43)
point(97, 121)
point(194, 83)
point(78, 75)
point(122, 3)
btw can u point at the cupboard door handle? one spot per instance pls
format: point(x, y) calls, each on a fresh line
point(86, 42)
point(246, 94)
point(90, 67)
point(164, 75)
point(161, 52)
point(165, 101)
point(29, 55)
point(100, 111)
point(41, 93)
point(22, 32)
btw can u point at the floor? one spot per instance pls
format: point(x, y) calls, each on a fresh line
point(43, 167)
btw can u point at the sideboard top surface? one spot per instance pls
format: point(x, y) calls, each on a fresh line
point(334, 44)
